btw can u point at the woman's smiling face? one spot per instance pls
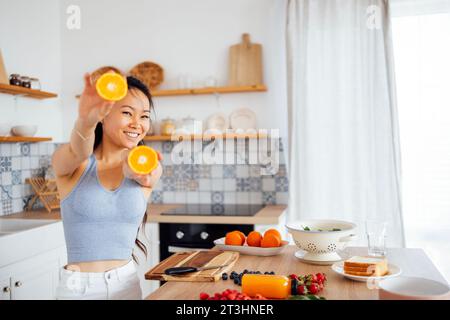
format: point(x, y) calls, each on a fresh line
point(129, 120)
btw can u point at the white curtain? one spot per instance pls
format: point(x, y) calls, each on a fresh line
point(344, 160)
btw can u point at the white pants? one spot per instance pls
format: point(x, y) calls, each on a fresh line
point(121, 283)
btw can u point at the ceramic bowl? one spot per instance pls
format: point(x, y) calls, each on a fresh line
point(24, 131)
point(322, 245)
point(412, 288)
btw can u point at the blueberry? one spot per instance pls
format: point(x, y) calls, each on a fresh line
point(236, 281)
point(272, 272)
point(245, 271)
point(224, 276)
point(266, 272)
point(258, 272)
point(232, 276)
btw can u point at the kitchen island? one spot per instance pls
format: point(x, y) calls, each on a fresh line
point(413, 262)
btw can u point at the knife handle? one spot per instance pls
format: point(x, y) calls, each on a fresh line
point(179, 270)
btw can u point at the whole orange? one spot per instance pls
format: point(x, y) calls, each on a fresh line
point(273, 231)
point(270, 240)
point(233, 239)
point(241, 234)
point(254, 239)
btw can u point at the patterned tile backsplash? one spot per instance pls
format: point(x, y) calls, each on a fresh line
point(180, 183)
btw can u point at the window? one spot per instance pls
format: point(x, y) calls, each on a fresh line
point(422, 66)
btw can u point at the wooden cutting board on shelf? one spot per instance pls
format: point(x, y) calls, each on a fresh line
point(195, 259)
point(245, 63)
point(3, 74)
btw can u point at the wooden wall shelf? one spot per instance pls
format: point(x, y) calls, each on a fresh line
point(208, 137)
point(209, 90)
point(29, 93)
point(23, 139)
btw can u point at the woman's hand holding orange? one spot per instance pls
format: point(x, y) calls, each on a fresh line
point(92, 108)
point(145, 180)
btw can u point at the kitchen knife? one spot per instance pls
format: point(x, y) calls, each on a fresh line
point(182, 270)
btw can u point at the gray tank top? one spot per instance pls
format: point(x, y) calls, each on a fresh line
point(100, 224)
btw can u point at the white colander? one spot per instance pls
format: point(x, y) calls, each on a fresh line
point(322, 246)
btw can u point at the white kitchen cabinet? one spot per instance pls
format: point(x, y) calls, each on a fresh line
point(5, 287)
point(35, 278)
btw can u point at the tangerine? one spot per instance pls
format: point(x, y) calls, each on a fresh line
point(233, 239)
point(270, 240)
point(242, 235)
point(142, 159)
point(111, 86)
point(273, 231)
point(254, 239)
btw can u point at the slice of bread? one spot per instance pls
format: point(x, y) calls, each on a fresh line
point(366, 266)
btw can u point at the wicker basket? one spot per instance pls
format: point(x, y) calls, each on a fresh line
point(151, 74)
point(98, 72)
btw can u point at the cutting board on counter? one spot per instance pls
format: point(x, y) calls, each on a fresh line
point(195, 259)
point(245, 61)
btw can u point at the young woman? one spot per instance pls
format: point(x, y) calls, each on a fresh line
point(102, 202)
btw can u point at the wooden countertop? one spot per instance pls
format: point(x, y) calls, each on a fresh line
point(34, 214)
point(414, 262)
point(268, 215)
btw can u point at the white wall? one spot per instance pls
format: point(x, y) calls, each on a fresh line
point(183, 37)
point(30, 44)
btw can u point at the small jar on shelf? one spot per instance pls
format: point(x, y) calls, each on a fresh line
point(14, 79)
point(35, 84)
point(167, 127)
point(26, 83)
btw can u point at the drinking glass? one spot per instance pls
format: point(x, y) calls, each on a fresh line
point(376, 237)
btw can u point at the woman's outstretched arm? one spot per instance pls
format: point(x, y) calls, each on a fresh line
point(92, 109)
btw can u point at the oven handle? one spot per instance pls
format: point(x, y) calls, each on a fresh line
point(174, 249)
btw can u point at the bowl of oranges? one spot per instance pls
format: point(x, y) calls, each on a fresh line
point(269, 243)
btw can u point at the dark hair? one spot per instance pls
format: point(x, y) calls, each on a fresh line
point(136, 84)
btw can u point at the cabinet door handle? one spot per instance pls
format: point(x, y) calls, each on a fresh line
point(18, 284)
point(6, 289)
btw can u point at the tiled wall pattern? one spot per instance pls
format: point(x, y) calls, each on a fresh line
point(180, 183)
point(217, 184)
point(19, 161)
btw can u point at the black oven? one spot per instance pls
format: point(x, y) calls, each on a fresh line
point(177, 237)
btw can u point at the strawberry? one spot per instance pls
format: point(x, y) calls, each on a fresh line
point(293, 276)
point(313, 288)
point(320, 277)
point(204, 296)
point(301, 289)
point(231, 296)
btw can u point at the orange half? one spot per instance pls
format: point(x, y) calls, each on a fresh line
point(143, 160)
point(111, 86)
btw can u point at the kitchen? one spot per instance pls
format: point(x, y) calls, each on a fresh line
point(189, 47)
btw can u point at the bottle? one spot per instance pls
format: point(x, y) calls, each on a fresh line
point(269, 286)
point(167, 127)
